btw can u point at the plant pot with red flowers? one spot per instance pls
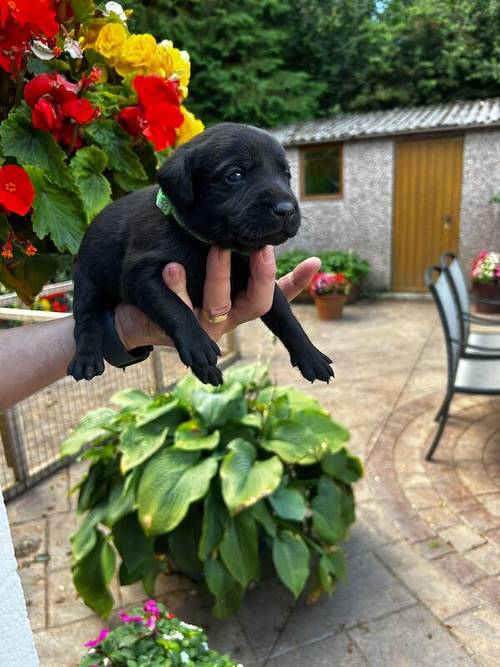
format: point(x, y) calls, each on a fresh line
point(485, 276)
point(87, 112)
point(329, 291)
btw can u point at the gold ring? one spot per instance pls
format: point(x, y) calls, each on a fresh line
point(216, 320)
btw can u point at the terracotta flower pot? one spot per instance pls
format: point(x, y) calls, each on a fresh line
point(486, 291)
point(330, 306)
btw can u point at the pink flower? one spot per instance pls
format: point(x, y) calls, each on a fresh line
point(151, 622)
point(150, 607)
point(129, 619)
point(100, 638)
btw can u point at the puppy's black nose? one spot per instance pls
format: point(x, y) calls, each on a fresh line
point(283, 209)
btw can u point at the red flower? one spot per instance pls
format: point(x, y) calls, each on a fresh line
point(39, 16)
point(93, 77)
point(70, 135)
point(132, 120)
point(13, 44)
point(31, 250)
point(7, 250)
point(55, 85)
point(158, 112)
point(16, 189)
point(80, 110)
point(45, 117)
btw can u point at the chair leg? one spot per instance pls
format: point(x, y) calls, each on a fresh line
point(441, 409)
point(443, 416)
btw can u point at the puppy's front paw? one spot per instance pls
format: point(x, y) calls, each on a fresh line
point(208, 374)
point(196, 348)
point(313, 364)
point(86, 367)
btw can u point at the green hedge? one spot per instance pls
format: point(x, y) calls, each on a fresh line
point(349, 263)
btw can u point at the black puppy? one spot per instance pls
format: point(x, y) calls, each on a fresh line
point(229, 187)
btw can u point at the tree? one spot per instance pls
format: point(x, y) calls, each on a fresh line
point(238, 58)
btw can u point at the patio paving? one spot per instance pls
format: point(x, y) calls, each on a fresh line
point(424, 554)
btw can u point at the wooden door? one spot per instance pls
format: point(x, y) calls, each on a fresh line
point(428, 179)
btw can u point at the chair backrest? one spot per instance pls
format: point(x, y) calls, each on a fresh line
point(451, 264)
point(440, 288)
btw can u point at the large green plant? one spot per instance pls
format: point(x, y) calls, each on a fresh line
point(354, 268)
point(210, 479)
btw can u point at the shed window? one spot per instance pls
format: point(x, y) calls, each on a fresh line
point(322, 171)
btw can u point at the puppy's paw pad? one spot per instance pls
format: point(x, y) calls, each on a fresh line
point(314, 365)
point(208, 374)
point(86, 367)
point(198, 349)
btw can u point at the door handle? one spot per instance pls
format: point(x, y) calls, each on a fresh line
point(447, 220)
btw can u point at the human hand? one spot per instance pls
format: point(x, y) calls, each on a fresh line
point(136, 329)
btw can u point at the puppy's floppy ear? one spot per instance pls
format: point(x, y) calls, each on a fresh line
point(175, 177)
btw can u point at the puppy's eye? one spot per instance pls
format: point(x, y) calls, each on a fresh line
point(235, 176)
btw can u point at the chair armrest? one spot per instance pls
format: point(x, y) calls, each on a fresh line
point(484, 321)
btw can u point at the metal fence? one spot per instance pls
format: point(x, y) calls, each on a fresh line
point(31, 432)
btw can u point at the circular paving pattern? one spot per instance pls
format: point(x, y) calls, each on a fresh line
point(450, 507)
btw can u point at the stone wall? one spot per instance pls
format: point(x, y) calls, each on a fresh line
point(479, 219)
point(361, 219)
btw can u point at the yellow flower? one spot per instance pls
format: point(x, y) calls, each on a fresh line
point(137, 55)
point(44, 304)
point(90, 32)
point(189, 128)
point(181, 66)
point(110, 41)
point(162, 65)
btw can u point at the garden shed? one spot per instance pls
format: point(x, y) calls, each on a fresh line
point(399, 186)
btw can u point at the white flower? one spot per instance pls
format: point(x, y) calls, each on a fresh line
point(184, 657)
point(167, 43)
point(106, 662)
point(115, 8)
point(185, 56)
point(204, 646)
point(173, 636)
point(189, 626)
point(73, 48)
point(42, 50)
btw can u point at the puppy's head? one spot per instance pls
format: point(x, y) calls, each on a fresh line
point(231, 185)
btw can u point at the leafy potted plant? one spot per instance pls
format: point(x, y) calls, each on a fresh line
point(485, 274)
point(152, 636)
point(87, 112)
point(212, 481)
point(329, 291)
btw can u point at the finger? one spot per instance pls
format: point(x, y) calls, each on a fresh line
point(298, 279)
point(261, 282)
point(174, 276)
point(217, 288)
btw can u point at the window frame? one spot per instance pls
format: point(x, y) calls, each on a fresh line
point(310, 148)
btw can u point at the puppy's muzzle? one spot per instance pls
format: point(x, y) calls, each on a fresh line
point(285, 212)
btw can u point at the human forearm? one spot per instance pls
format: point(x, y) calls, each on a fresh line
point(32, 357)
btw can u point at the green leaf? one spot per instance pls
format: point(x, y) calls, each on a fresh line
point(82, 9)
point(291, 560)
point(56, 213)
point(294, 443)
point(139, 443)
point(184, 389)
point(227, 591)
point(191, 436)
point(239, 549)
point(330, 568)
point(128, 183)
point(288, 504)
point(216, 407)
point(84, 538)
point(92, 575)
point(332, 435)
point(251, 376)
point(183, 543)
point(215, 522)
point(109, 136)
point(342, 466)
point(131, 398)
point(262, 515)
point(28, 275)
point(94, 188)
point(121, 498)
point(245, 480)
point(91, 427)
point(171, 481)
point(135, 549)
point(32, 147)
point(328, 520)
point(163, 407)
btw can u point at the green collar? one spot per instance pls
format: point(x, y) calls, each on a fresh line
point(167, 208)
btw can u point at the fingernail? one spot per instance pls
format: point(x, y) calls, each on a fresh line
point(173, 272)
point(268, 254)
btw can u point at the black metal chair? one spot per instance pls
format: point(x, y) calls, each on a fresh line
point(471, 370)
point(480, 339)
